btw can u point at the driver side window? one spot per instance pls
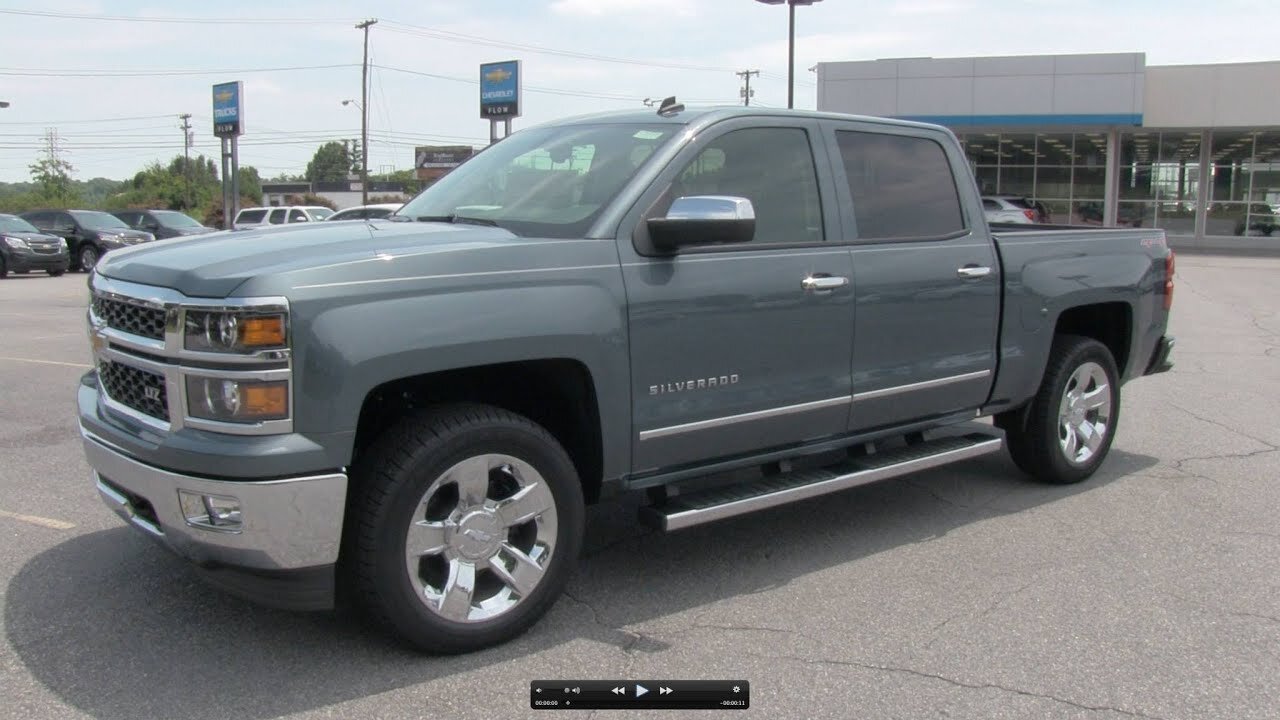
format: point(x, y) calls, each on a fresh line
point(771, 167)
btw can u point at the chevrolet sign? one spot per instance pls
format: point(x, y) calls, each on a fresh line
point(228, 109)
point(500, 90)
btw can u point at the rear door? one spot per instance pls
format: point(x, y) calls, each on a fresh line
point(926, 275)
point(732, 350)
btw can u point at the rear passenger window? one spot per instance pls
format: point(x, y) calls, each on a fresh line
point(990, 205)
point(252, 216)
point(771, 167)
point(277, 217)
point(902, 187)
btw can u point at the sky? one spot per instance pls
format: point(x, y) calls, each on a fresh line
point(112, 76)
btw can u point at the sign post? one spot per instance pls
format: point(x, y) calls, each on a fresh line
point(228, 124)
point(501, 95)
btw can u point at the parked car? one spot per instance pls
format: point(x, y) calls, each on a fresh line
point(24, 248)
point(711, 314)
point(284, 215)
point(366, 212)
point(1008, 209)
point(162, 223)
point(90, 234)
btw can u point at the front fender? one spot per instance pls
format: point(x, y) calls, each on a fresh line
point(366, 336)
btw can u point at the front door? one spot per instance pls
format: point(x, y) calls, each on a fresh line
point(926, 275)
point(732, 350)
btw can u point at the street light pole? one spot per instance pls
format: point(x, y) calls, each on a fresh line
point(791, 44)
point(364, 115)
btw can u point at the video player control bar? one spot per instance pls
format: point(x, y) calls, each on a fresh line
point(639, 694)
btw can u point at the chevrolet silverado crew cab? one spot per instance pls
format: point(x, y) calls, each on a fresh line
point(723, 309)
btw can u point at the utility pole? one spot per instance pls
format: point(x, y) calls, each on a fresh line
point(746, 92)
point(364, 115)
point(186, 156)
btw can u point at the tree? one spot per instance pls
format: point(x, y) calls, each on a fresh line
point(52, 174)
point(330, 163)
point(250, 183)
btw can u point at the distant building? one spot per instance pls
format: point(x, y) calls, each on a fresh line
point(343, 194)
point(1099, 139)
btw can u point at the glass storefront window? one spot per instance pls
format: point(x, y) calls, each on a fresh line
point(1018, 149)
point(1018, 181)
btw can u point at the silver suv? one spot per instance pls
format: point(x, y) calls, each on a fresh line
point(262, 216)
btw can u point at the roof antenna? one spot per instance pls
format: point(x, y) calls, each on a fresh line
point(670, 107)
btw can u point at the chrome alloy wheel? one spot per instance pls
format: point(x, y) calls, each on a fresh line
point(1084, 413)
point(482, 538)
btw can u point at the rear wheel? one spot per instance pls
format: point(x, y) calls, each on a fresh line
point(55, 273)
point(1073, 417)
point(4, 269)
point(467, 524)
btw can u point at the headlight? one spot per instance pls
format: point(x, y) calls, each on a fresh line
point(62, 243)
point(234, 332)
point(17, 243)
point(237, 400)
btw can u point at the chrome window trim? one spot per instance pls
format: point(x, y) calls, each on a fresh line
point(925, 385)
point(743, 417)
point(114, 345)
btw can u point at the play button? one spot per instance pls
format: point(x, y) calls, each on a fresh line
point(641, 690)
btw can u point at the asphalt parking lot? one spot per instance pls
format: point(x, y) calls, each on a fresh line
point(1151, 591)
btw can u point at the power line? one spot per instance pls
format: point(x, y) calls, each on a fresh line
point(82, 121)
point(174, 20)
point(52, 72)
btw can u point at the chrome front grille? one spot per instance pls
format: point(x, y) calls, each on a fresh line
point(44, 248)
point(135, 388)
point(133, 318)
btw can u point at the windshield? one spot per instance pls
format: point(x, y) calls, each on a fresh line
point(545, 182)
point(10, 223)
point(320, 213)
point(168, 218)
point(94, 220)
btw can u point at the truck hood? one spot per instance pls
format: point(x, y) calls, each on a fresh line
point(215, 264)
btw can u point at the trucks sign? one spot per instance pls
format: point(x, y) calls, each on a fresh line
point(500, 90)
point(228, 109)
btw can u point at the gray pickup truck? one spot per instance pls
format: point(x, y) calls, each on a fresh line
point(724, 309)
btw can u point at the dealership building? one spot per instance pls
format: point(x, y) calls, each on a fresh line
point(1098, 139)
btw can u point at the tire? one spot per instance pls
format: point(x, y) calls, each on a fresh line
point(4, 269)
point(1070, 407)
point(88, 255)
point(55, 273)
point(413, 475)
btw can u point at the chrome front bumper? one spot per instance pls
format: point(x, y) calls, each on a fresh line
point(286, 525)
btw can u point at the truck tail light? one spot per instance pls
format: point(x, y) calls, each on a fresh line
point(1031, 214)
point(1168, 280)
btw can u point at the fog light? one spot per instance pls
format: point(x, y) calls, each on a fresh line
point(211, 512)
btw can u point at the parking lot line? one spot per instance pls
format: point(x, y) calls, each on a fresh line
point(37, 520)
point(44, 362)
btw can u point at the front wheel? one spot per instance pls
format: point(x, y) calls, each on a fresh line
point(88, 255)
point(467, 522)
point(55, 273)
point(1073, 417)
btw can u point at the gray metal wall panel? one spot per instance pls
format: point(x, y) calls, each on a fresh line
point(935, 96)
point(1012, 95)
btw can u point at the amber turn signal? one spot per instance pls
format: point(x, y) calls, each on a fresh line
point(266, 400)
point(267, 331)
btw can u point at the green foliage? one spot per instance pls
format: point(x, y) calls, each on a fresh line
point(54, 185)
point(407, 178)
point(331, 163)
point(310, 199)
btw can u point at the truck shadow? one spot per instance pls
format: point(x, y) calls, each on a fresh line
point(118, 628)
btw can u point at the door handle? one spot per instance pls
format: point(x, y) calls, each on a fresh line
point(973, 271)
point(823, 283)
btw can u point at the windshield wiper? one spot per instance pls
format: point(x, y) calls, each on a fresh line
point(459, 219)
